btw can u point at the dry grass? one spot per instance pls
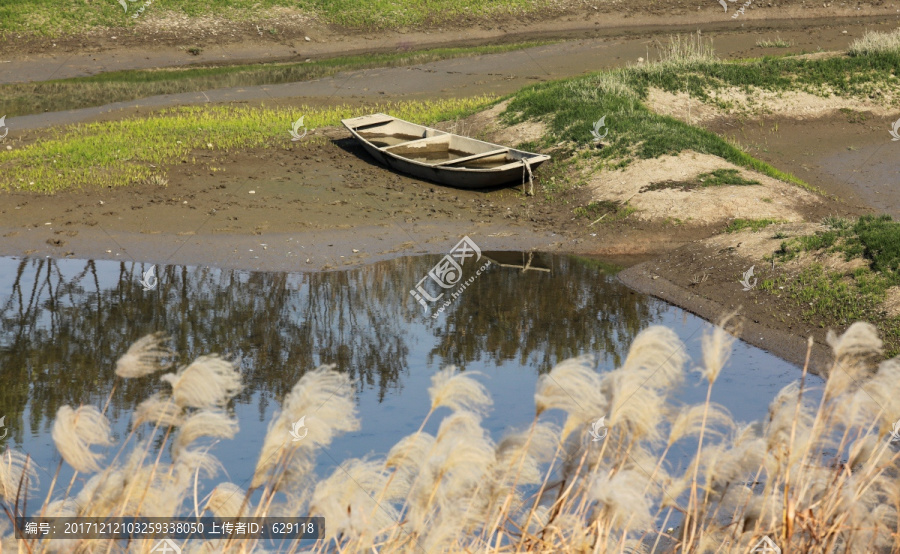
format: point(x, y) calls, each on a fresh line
point(876, 42)
point(814, 476)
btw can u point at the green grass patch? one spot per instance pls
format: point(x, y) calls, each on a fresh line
point(117, 153)
point(604, 210)
point(55, 17)
point(842, 297)
point(717, 178)
point(569, 108)
point(754, 225)
point(122, 86)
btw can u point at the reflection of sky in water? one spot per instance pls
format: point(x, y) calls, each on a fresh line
point(746, 386)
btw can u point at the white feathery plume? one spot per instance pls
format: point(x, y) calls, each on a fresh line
point(458, 391)
point(158, 492)
point(689, 421)
point(716, 351)
point(574, 387)
point(636, 392)
point(863, 451)
point(158, 410)
point(854, 352)
point(226, 500)
point(324, 398)
point(64, 507)
point(658, 353)
point(101, 494)
point(145, 356)
point(208, 382)
point(636, 407)
point(571, 386)
point(884, 390)
point(191, 463)
point(410, 451)
point(511, 451)
point(204, 423)
point(347, 500)
point(17, 474)
point(75, 431)
point(786, 417)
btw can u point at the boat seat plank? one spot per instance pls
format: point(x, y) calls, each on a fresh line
point(473, 157)
point(426, 140)
point(366, 120)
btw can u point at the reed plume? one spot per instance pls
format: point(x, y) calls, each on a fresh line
point(158, 410)
point(814, 478)
point(17, 474)
point(458, 391)
point(204, 423)
point(227, 501)
point(147, 355)
point(324, 398)
point(208, 382)
point(76, 431)
point(347, 500)
point(574, 387)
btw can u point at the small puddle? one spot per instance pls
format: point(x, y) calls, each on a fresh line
point(65, 322)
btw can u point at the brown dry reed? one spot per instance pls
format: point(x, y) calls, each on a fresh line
point(819, 473)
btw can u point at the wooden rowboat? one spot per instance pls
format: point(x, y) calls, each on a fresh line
point(439, 156)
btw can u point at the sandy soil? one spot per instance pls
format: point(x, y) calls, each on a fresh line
point(771, 199)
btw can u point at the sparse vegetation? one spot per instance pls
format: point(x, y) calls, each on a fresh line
point(754, 225)
point(876, 42)
point(717, 178)
point(118, 153)
point(777, 42)
point(839, 297)
point(121, 86)
point(539, 489)
point(605, 209)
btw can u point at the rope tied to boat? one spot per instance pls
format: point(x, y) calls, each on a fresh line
point(525, 166)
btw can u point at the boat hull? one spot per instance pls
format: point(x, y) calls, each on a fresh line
point(431, 154)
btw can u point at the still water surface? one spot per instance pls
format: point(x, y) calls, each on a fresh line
point(63, 324)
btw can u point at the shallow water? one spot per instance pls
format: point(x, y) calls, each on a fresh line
point(65, 322)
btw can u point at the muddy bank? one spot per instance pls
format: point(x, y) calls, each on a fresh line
point(328, 203)
point(705, 281)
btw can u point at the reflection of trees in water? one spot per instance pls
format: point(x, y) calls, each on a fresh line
point(540, 319)
point(62, 327)
point(64, 323)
